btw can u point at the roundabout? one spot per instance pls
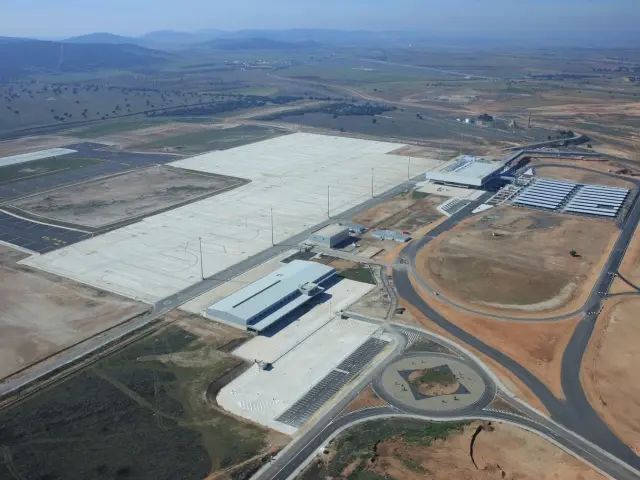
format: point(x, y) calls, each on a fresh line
point(435, 385)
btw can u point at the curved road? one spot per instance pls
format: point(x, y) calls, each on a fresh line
point(574, 423)
point(575, 412)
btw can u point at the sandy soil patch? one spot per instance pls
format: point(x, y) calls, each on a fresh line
point(500, 451)
point(404, 212)
point(42, 314)
point(517, 260)
point(609, 369)
point(367, 398)
point(629, 270)
point(416, 216)
point(375, 303)
point(372, 217)
point(131, 195)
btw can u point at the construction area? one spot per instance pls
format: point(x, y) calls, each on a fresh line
point(287, 193)
point(519, 260)
point(42, 314)
point(124, 197)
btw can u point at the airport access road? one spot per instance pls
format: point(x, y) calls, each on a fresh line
point(410, 253)
point(574, 412)
point(302, 450)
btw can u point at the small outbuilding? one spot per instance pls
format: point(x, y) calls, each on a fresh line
point(330, 236)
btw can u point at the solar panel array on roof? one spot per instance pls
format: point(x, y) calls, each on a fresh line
point(597, 200)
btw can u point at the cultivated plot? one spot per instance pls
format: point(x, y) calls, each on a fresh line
point(289, 175)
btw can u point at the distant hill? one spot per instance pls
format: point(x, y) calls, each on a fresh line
point(103, 37)
point(257, 44)
point(34, 56)
point(173, 39)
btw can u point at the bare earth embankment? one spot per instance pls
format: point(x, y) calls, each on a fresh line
point(396, 450)
point(41, 314)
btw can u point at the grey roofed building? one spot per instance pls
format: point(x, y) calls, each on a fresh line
point(466, 171)
point(267, 300)
point(329, 236)
point(391, 235)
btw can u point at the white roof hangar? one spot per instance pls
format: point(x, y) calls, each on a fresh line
point(267, 300)
point(466, 170)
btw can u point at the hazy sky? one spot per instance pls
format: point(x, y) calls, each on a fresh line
point(569, 19)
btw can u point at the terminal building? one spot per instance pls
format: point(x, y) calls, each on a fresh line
point(466, 171)
point(266, 301)
point(330, 236)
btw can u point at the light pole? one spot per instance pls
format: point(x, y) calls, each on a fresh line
point(272, 237)
point(201, 265)
point(328, 196)
point(409, 170)
point(372, 183)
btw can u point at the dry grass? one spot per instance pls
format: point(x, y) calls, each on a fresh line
point(517, 260)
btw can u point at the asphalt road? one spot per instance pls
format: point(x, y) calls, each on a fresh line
point(575, 412)
point(298, 454)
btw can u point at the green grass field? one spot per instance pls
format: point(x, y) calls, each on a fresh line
point(138, 414)
point(45, 166)
point(359, 274)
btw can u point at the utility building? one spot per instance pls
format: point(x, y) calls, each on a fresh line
point(330, 236)
point(391, 235)
point(266, 301)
